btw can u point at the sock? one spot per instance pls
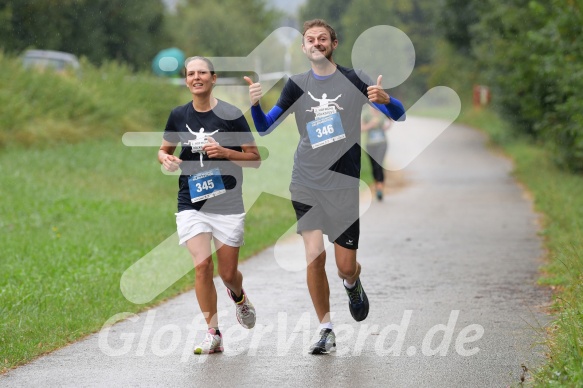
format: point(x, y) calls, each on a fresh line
point(236, 298)
point(326, 325)
point(349, 285)
point(217, 331)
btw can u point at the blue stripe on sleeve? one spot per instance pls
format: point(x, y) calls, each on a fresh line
point(394, 109)
point(264, 121)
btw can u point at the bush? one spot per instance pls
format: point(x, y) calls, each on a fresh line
point(41, 108)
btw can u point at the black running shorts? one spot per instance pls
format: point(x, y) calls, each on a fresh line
point(334, 212)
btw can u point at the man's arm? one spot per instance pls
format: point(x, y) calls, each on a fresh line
point(263, 122)
point(390, 106)
point(394, 109)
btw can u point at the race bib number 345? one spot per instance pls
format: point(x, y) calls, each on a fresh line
point(325, 130)
point(205, 185)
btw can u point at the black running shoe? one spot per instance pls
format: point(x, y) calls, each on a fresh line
point(326, 344)
point(357, 302)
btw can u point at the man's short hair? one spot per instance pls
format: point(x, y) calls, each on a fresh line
point(319, 23)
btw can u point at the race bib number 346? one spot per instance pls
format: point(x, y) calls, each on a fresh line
point(205, 185)
point(325, 130)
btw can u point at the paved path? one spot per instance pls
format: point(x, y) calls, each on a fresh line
point(449, 265)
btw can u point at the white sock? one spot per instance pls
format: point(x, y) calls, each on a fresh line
point(326, 325)
point(349, 285)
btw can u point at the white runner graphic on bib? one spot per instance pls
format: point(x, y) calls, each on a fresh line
point(327, 127)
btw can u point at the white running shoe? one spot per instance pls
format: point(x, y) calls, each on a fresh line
point(245, 310)
point(212, 343)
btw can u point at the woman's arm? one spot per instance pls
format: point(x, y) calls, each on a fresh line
point(166, 156)
point(249, 157)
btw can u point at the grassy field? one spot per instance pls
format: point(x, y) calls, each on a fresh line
point(74, 218)
point(78, 207)
point(558, 196)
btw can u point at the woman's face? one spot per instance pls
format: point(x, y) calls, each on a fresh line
point(199, 79)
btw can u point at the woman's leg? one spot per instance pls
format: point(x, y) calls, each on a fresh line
point(228, 261)
point(377, 153)
point(200, 249)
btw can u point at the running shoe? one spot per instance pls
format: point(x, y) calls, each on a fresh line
point(380, 195)
point(326, 344)
point(212, 343)
point(357, 301)
point(245, 310)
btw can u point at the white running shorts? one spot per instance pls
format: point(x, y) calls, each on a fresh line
point(228, 229)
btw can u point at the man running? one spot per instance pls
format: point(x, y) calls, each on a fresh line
point(325, 178)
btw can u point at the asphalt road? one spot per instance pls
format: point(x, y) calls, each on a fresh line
point(449, 265)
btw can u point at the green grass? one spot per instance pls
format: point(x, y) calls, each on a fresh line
point(558, 195)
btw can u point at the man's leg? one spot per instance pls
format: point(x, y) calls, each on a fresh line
point(316, 273)
point(348, 268)
point(319, 290)
point(349, 272)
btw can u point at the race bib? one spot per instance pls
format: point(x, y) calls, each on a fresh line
point(325, 130)
point(205, 185)
point(376, 136)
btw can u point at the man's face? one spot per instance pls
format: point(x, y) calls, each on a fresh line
point(317, 44)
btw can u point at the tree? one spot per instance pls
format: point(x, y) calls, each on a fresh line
point(416, 18)
point(531, 56)
point(129, 30)
point(456, 19)
point(221, 28)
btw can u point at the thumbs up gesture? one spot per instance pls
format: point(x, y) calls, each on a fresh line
point(255, 91)
point(377, 94)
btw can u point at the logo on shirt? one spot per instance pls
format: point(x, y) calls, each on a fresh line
point(199, 141)
point(327, 105)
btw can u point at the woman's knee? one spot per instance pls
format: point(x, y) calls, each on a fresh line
point(228, 276)
point(204, 267)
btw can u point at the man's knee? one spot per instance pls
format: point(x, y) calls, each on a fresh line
point(349, 271)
